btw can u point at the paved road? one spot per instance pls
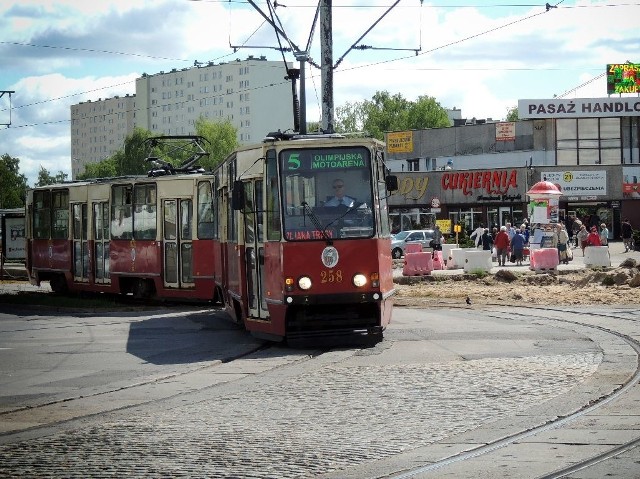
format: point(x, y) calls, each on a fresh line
point(158, 395)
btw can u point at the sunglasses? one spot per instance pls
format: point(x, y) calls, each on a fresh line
point(337, 187)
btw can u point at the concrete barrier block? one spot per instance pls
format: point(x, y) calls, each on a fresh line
point(455, 259)
point(446, 251)
point(438, 261)
point(413, 248)
point(475, 260)
point(595, 256)
point(544, 260)
point(417, 264)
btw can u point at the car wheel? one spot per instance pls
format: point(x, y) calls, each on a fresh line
point(396, 253)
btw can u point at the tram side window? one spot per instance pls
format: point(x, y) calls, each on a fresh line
point(232, 233)
point(101, 221)
point(206, 225)
point(186, 219)
point(60, 216)
point(144, 212)
point(273, 198)
point(41, 214)
point(121, 215)
point(383, 210)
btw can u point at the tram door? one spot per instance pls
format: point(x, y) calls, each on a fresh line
point(254, 249)
point(177, 243)
point(101, 237)
point(80, 245)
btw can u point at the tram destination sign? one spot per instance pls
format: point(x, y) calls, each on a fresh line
point(325, 159)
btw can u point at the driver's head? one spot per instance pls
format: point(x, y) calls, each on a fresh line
point(338, 188)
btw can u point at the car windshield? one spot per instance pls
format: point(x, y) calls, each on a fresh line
point(402, 235)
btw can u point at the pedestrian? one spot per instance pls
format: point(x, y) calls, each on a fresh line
point(517, 247)
point(436, 241)
point(477, 234)
point(582, 237)
point(627, 235)
point(604, 235)
point(593, 238)
point(494, 233)
point(563, 246)
point(575, 228)
point(502, 245)
point(486, 240)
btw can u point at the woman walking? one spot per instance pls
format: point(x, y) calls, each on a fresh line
point(563, 240)
point(582, 237)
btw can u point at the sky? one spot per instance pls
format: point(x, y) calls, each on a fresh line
point(479, 56)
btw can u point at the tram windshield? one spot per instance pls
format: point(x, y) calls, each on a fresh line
point(327, 193)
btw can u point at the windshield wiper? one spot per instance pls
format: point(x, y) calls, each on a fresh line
point(316, 222)
point(349, 210)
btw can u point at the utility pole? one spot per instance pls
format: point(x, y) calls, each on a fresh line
point(326, 65)
point(2, 93)
point(326, 75)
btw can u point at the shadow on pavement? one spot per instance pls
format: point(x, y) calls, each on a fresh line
point(189, 338)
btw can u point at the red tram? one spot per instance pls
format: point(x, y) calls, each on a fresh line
point(261, 234)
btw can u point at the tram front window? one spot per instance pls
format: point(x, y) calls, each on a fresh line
point(327, 194)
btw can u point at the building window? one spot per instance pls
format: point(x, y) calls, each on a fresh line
point(588, 141)
point(413, 165)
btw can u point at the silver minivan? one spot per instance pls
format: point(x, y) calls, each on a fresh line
point(401, 239)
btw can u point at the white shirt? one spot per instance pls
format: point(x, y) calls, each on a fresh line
point(345, 200)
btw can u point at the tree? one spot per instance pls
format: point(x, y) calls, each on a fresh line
point(131, 159)
point(135, 152)
point(222, 137)
point(512, 114)
point(126, 161)
point(45, 178)
point(103, 169)
point(426, 112)
point(350, 117)
point(13, 184)
point(386, 112)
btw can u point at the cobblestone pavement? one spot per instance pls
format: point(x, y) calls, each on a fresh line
point(341, 409)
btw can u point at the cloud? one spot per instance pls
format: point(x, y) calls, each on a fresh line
point(479, 59)
point(40, 131)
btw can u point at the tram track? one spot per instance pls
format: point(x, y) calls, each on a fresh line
point(59, 412)
point(439, 465)
point(94, 401)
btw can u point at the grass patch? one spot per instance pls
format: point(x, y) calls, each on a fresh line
point(480, 273)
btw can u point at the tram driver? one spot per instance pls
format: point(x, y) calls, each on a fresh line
point(340, 198)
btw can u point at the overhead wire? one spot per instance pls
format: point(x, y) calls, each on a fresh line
point(344, 69)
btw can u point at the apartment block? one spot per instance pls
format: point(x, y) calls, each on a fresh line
point(98, 129)
point(252, 94)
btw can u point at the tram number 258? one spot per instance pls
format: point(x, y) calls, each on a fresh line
point(331, 276)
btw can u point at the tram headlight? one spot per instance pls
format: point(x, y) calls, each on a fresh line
point(359, 280)
point(304, 283)
point(375, 280)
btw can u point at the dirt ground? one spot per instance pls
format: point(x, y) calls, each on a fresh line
point(511, 286)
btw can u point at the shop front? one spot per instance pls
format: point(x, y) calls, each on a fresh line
point(487, 197)
point(591, 195)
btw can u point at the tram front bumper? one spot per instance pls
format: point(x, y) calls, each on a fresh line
point(342, 298)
